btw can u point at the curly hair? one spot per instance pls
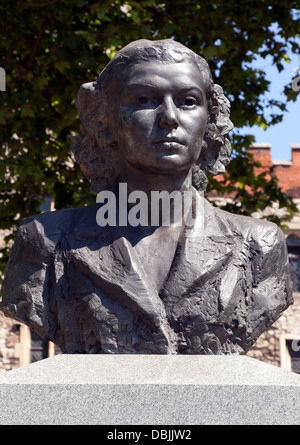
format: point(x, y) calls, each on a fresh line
point(96, 150)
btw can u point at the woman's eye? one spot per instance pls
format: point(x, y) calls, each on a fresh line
point(190, 101)
point(143, 100)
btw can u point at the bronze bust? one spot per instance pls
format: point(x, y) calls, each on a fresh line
point(154, 121)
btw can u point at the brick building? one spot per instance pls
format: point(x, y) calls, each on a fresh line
point(287, 172)
point(280, 345)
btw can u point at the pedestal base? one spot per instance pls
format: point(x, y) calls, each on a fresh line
point(149, 390)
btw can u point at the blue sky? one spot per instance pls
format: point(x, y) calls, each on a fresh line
point(281, 136)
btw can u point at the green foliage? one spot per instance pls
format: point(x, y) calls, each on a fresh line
point(49, 48)
point(249, 189)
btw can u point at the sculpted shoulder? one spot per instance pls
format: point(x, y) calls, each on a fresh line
point(256, 231)
point(42, 232)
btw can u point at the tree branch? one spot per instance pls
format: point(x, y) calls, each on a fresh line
point(38, 41)
point(43, 4)
point(10, 51)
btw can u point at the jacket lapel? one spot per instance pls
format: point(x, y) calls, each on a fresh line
point(110, 262)
point(204, 249)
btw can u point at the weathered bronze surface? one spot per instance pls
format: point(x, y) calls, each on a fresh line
point(155, 121)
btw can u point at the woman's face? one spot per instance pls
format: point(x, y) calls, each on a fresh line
point(162, 116)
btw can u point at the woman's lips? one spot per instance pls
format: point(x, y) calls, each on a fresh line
point(166, 139)
point(169, 143)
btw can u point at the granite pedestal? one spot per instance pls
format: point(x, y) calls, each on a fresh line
point(149, 390)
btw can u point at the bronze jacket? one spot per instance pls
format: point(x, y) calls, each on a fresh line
point(84, 288)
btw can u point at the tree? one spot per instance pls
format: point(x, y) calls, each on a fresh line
point(51, 47)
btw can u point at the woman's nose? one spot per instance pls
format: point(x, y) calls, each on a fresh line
point(168, 117)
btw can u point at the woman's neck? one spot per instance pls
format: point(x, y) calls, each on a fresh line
point(153, 200)
point(148, 181)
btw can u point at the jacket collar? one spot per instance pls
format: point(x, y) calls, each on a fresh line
point(110, 261)
point(204, 249)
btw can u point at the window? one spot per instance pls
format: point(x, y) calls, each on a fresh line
point(293, 347)
point(290, 353)
point(41, 349)
point(293, 246)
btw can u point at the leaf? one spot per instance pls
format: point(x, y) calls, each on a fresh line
point(62, 66)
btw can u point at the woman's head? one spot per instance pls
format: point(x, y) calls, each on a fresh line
point(97, 150)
